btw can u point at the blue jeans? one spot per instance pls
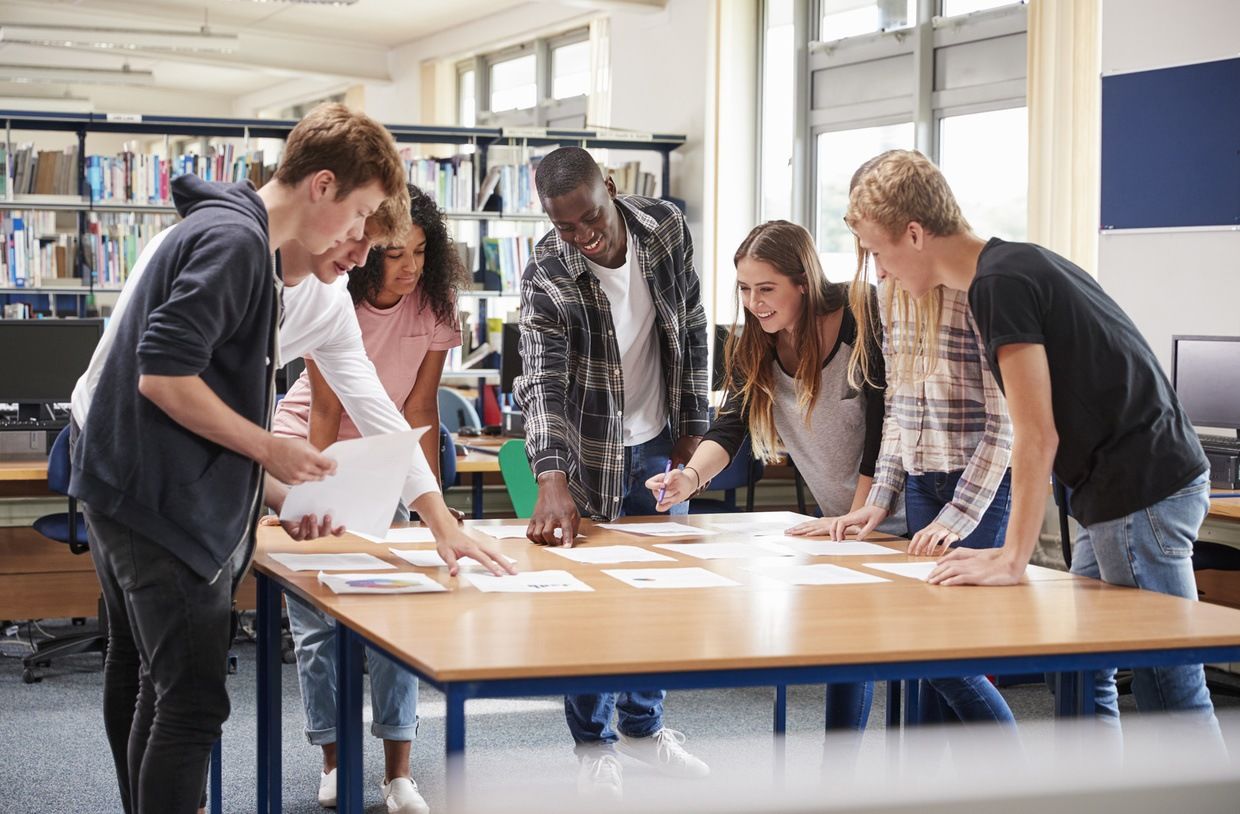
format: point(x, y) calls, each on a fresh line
point(393, 689)
point(640, 712)
point(972, 698)
point(1151, 549)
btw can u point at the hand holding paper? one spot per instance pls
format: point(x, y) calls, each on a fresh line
point(363, 493)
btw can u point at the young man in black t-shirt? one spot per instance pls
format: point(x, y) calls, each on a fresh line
point(1087, 399)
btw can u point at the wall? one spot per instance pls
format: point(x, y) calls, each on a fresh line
point(1171, 282)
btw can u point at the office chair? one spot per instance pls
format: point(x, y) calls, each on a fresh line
point(447, 457)
point(456, 411)
point(742, 471)
point(69, 528)
point(518, 477)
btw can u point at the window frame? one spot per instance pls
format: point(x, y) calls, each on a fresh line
point(546, 109)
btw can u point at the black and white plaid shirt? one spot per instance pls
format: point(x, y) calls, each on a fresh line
point(572, 388)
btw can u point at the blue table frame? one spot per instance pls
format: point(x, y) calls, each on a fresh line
point(1072, 672)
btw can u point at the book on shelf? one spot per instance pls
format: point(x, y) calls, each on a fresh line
point(506, 257)
point(36, 254)
point(136, 177)
point(631, 180)
point(113, 241)
point(514, 184)
point(450, 181)
point(43, 172)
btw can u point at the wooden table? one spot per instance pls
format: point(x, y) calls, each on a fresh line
point(474, 645)
point(1227, 508)
point(477, 463)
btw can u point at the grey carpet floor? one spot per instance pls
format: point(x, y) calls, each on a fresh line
point(56, 759)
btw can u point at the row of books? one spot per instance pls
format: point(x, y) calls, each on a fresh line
point(141, 178)
point(38, 254)
point(506, 257)
point(450, 181)
point(514, 184)
point(631, 180)
point(42, 172)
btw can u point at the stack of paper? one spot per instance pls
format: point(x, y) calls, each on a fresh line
point(671, 578)
point(528, 582)
point(403, 583)
point(332, 562)
point(729, 551)
point(659, 529)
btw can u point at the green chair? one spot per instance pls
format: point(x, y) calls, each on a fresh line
point(518, 477)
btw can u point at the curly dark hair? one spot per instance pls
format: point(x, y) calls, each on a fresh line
point(443, 273)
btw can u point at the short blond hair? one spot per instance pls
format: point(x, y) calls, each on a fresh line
point(353, 146)
point(897, 187)
point(389, 225)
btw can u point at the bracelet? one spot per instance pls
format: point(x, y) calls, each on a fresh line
point(701, 487)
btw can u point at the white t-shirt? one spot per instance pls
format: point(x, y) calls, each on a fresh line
point(319, 320)
point(632, 315)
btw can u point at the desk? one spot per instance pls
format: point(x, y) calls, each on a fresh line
point(478, 464)
point(474, 645)
point(1227, 508)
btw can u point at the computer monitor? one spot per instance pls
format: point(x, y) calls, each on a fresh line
point(510, 356)
point(1205, 371)
point(43, 359)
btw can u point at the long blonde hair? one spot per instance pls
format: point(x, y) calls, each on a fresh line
point(894, 189)
point(749, 353)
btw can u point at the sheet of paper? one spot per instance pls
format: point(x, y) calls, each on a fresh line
point(332, 562)
point(728, 551)
point(776, 523)
point(507, 532)
point(670, 578)
point(1038, 573)
point(409, 534)
point(819, 574)
point(528, 582)
point(659, 529)
point(607, 554)
point(911, 570)
point(403, 583)
point(429, 558)
point(362, 495)
point(829, 548)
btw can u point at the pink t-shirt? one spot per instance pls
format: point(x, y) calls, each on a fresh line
point(396, 339)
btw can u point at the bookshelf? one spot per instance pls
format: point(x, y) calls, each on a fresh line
point(474, 145)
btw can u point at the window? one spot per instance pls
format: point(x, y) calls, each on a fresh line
point(984, 157)
point(514, 84)
point(955, 8)
point(849, 18)
point(467, 96)
point(778, 111)
point(570, 70)
point(838, 156)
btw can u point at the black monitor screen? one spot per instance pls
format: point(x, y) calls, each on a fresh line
point(1206, 373)
point(510, 357)
point(41, 359)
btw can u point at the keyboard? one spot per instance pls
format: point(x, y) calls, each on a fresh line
point(25, 425)
point(1228, 442)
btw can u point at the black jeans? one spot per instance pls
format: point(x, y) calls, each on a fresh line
point(164, 699)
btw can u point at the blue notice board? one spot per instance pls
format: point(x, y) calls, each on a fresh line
point(1171, 147)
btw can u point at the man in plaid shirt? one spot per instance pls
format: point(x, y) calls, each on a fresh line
point(613, 351)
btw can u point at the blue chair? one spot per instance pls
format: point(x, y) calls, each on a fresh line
point(456, 411)
point(743, 471)
point(68, 528)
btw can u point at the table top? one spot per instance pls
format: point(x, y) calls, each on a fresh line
point(1227, 508)
point(32, 470)
point(474, 461)
point(465, 634)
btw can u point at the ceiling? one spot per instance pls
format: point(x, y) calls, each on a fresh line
point(309, 45)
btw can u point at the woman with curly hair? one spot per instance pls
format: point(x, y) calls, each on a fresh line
point(405, 299)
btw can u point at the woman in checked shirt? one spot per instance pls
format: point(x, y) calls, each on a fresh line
point(947, 437)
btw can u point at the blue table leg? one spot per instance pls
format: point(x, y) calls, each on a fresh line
point(477, 497)
point(912, 702)
point(1066, 695)
point(781, 729)
point(349, 655)
point(454, 743)
point(270, 771)
point(893, 705)
point(217, 778)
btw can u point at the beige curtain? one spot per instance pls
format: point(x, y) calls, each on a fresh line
point(1065, 93)
point(598, 104)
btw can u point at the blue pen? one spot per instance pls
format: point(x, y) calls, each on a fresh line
point(667, 470)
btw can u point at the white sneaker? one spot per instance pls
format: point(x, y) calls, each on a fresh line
point(401, 796)
point(600, 777)
point(327, 789)
point(663, 751)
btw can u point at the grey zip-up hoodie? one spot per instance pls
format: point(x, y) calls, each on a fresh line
point(206, 305)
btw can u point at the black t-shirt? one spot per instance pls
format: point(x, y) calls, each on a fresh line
point(1124, 441)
